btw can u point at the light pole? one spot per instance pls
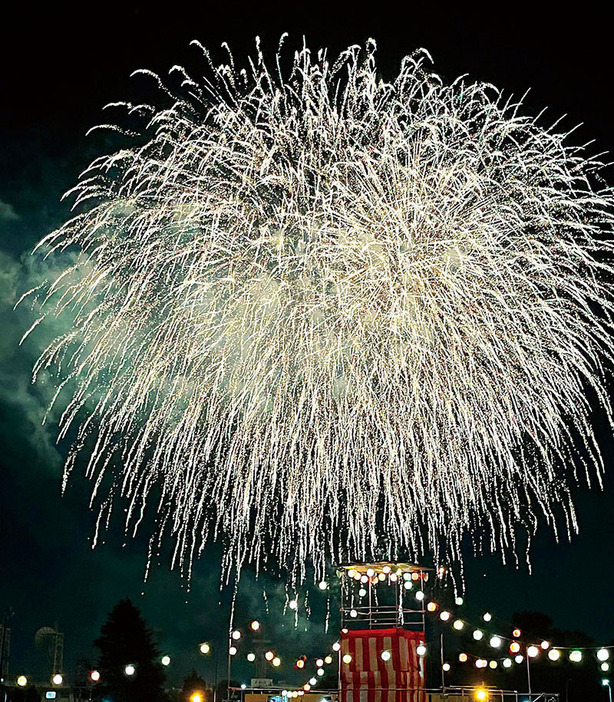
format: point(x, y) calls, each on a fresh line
point(606, 683)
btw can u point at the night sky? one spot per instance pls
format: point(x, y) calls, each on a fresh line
point(57, 71)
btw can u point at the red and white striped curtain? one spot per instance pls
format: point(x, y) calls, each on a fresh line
point(370, 678)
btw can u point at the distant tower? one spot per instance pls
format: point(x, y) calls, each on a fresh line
point(52, 642)
point(5, 648)
point(382, 620)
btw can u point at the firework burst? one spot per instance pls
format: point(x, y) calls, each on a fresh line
point(326, 316)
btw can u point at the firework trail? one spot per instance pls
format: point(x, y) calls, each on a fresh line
point(320, 316)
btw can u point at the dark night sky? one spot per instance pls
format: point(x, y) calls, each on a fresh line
point(57, 70)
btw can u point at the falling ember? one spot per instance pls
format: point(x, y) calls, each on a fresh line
point(307, 297)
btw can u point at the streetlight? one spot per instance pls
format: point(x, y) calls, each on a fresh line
point(606, 683)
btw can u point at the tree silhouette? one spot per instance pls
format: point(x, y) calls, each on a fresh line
point(194, 684)
point(126, 640)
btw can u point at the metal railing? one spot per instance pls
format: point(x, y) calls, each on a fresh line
point(447, 694)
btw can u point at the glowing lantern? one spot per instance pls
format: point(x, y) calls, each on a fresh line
point(463, 657)
point(514, 647)
point(458, 624)
point(347, 658)
point(236, 635)
point(495, 641)
point(553, 654)
point(255, 625)
point(386, 655)
point(57, 679)
point(205, 648)
point(487, 616)
point(94, 676)
point(478, 635)
point(276, 661)
point(232, 651)
point(532, 651)
point(603, 654)
point(507, 663)
point(269, 655)
point(516, 633)
point(431, 606)
point(251, 657)
point(445, 616)
point(575, 656)
point(421, 649)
